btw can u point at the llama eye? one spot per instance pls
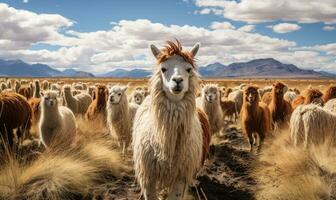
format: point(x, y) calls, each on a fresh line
point(119, 94)
point(189, 70)
point(163, 70)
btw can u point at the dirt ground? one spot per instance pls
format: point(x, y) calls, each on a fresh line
point(226, 174)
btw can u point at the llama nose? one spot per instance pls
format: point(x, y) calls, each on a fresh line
point(177, 80)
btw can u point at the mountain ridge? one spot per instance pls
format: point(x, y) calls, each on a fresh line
point(265, 67)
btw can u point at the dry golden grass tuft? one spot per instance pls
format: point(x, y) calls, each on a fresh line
point(63, 173)
point(286, 172)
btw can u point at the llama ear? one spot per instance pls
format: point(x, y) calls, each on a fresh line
point(124, 88)
point(154, 50)
point(195, 49)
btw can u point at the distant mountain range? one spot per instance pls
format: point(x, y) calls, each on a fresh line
point(268, 67)
point(121, 73)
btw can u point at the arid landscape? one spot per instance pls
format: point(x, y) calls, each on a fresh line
point(95, 167)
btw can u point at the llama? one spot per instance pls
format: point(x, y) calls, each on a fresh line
point(290, 96)
point(309, 96)
point(267, 97)
point(330, 93)
point(311, 124)
point(91, 91)
point(36, 114)
point(227, 91)
point(237, 97)
point(45, 85)
point(78, 104)
point(57, 125)
point(31, 89)
point(170, 136)
point(229, 110)
point(25, 91)
point(120, 115)
point(3, 86)
point(17, 86)
point(97, 108)
point(255, 117)
point(37, 89)
point(15, 113)
point(138, 96)
point(280, 109)
point(263, 90)
point(209, 102)
point(330, 105)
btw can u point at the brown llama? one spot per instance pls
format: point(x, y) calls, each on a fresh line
point(309, 96)
point(203, 117)
point(255, 117)
point(36, 109)
point(25, 91)
point(229, 110)
point(267, 98)
point(330, 93)
point(97, 107)
point(280, 109)
point(15, 112)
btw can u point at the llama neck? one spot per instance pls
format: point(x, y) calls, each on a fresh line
point(210, 107)
point(51, 115)
point(277, 100)
point(68, 97)
point(37, 91)
point(119, 112)
point(172, 120)
point(101, 102)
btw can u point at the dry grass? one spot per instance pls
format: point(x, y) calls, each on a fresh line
point(63, 173)
point(286, 172)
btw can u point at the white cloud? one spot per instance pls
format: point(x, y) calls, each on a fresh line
point(285, 27)
point(25, 1)
point(221, 25)
point(256, 11)
point(247, 28)
point(21, 26)
point(329, 28)
point(125, 45)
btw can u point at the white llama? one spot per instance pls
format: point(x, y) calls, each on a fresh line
point(170, 136)
point(120, 115)
point(57, 125)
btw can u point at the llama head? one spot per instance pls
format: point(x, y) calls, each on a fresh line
point(251, 95)
point(279, 89)
point(67, 88)
point(138, 96)
point(116, 94)
point(101, 91)
point(330, 93)
point(176, 67)
point(210, 93)
point(314, 96)
point(49, 99)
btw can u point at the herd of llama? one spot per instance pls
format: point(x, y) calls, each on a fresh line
point(168, 125)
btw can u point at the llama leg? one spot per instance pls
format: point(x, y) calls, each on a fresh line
point(177, 191)
point(261, 141)
point(250, 138)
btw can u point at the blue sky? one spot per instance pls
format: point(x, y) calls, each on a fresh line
point(76, 25)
